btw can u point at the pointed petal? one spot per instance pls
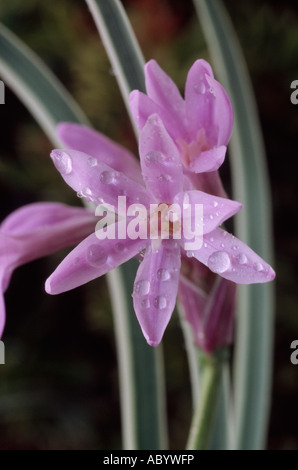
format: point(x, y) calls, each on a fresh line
point(215, 209)
point(98, 183)
point(142, 107)
point(160, 161)
point(163, 91)
point(209, 160)
point(90, 259)
point(207, 105)
point(232, 259)
point(100, 148)
point(155, 289)
point(36, 230)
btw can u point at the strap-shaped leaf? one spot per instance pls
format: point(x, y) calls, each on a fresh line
point(253, 364)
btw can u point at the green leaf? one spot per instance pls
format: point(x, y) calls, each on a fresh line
point(35, 85)
point(254, 339)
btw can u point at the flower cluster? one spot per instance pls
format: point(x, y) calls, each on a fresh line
point(182, 144)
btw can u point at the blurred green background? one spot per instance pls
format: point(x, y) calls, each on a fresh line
point(59, 387)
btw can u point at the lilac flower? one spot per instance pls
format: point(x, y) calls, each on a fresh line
point(156, 283)
point(37, 230)
point(200, 125)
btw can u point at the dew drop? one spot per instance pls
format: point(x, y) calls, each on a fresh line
point(160, 302)
point(79, 194)
point(215, 203)
point(258, 267)
point(212, 91)
point(119, 247)
point(205, 245)
point(222, 245)
point(62, 162)
point(200, 88)
point(163, 274)
point(211, 217)
point(96, 255)
point(107, 177)
point(145, 303)
point(217, 214)
point(153, 157)
point(92, 161)
point(87, 192)
point(235, 248)
point(165, 178)
point(242, 258)
point(219, 262)
point(142, 287)
point(212, 239)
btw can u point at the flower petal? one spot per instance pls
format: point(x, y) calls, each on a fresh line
point(215, 209)
point(36, 230)
point(142, 107)
point(155, 289)
point(207, 105)
point(100, 148)
point(90, 259)
point(99, 183)
point(163, 91)
point(160, 161)
point(232, 259)
point(209, 160)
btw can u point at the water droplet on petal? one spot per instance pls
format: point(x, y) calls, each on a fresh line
point(211, 217)
point(190, 254)
point(153, 157)
point(160, 302)
point(119, 247)
point(212, 239)
point(79, 194)
point(96, 255)
point(235, 248)
point(219, 262)
point(242, 258)
point(145, 303)
point(205, 245)
point(163, 274)
point(200, 88)
point(87, 192)
point(212, 91)
point(166, 178)
point(142, 287)
point(62, 162)
point(215, 203)
point(100, 200)
point(92, 161)
point(258, 267)
point(222, 245)
point(107, 177)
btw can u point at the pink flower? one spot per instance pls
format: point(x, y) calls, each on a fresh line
point(157, 278)
point(37, 230)
point(201, 124)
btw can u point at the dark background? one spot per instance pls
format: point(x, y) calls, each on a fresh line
point(59, 387)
